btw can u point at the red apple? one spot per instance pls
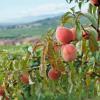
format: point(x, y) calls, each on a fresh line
point(69, 52)
point(2, 92)
point(64, 35)
point(25, 78)
point(95, 2)
point(54, 74)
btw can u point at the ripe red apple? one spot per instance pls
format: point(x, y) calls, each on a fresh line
point(64, 35)
point(54, 74)
point(25, 78)
point(69, 52)
point(95, 2)
point(74, 33)
point(2, 92)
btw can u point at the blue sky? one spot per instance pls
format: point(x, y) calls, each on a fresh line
point(12, 9)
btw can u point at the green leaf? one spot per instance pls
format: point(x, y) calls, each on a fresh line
point(69, 1)
point(92, 19)
point(84, 47)
point(93, 44)
point(80, 5)
point(92, 9)
point(78, 31)
point(67, 18)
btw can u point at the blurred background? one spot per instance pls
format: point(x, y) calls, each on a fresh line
point(27, 20)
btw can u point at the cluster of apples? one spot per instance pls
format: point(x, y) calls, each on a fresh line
point(65, 36)
point(68, 50)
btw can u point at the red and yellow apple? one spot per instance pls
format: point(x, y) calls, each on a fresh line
point(68, 52)
point(64, 35)
point(54, 74)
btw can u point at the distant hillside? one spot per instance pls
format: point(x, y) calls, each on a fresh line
point(32, 29)
point(36, 28)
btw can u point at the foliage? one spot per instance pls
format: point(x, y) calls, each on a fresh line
point(80, 79)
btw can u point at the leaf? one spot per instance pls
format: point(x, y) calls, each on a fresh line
point(43, 61)
point(69, 1)
point(84, 47)
point(80, 5)
point(67, 18)
point(93, 44)
point(92, 19)
point(54, 57)
point(78, 31)
point(92, 9)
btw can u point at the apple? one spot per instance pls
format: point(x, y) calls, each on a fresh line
point(95, 2)
point(64, 35)
point(54, 74)
point(2, 91)
point(69, 52)
point(25, 78)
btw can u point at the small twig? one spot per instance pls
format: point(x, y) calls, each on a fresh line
point(83, 28)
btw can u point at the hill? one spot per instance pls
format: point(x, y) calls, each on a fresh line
point(32, 29)
point(36, 28)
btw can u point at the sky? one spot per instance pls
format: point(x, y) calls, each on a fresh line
point(13, 9)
